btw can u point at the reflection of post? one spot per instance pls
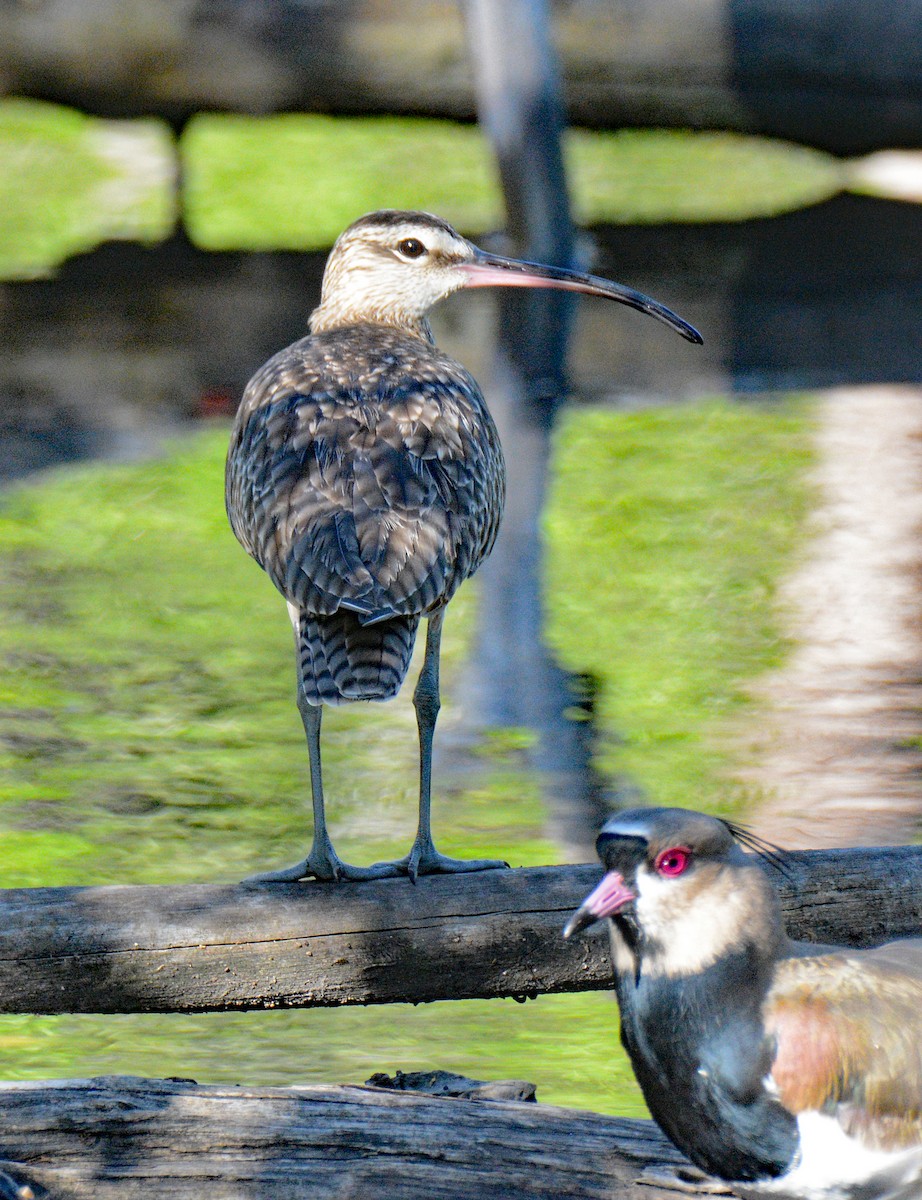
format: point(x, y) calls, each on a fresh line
point(519, 106)
point(515, 679)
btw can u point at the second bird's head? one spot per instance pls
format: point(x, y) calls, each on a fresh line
point(680, 892)
point(391, 267)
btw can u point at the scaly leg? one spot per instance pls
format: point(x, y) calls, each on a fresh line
point(423, 858)
point(322, 862)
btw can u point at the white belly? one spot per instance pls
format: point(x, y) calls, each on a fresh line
point(834, 1166)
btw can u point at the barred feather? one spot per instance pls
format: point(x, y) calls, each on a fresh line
point(341, 660)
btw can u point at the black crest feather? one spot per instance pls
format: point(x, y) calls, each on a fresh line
point(774, 856)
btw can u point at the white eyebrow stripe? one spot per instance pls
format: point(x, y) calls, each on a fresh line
point(639, 829)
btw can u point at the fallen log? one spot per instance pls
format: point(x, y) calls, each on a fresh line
point(203, 948)
point(120, 1138)
point(842, 74)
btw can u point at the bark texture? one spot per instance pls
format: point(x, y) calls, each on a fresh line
point(205, 948)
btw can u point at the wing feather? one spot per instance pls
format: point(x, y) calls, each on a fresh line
point(365, 472)
point(848, 1032)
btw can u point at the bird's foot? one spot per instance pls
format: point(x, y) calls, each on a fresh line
point(684, 1177)
point(326, 867)
point(424, 859)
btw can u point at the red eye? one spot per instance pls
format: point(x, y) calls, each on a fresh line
point(673, 862)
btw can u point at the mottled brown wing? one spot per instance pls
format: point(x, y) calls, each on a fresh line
point(365, 473)
point(848, 1028)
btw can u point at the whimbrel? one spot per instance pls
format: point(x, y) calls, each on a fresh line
point(366, 478)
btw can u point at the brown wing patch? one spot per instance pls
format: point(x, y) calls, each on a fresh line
point(807, 1070)
point(848, 1029)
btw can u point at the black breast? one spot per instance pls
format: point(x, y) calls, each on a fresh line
point(700, 1055)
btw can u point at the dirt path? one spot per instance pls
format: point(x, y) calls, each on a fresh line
point(832, 753)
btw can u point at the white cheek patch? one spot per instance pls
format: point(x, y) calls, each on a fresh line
point(430, 286)
point(692, 926)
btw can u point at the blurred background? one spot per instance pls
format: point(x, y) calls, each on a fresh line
point(706, 591)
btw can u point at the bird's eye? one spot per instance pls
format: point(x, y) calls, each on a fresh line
point(411, 248)
point(673, 862)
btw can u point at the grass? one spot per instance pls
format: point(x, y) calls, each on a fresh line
point(68, 182)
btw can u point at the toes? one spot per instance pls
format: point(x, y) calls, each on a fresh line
point(285, 875)
point(329, 868)
point(433, 863)
point(382, 870)
point(326, 868)
point(461, 866)
point(386, 870)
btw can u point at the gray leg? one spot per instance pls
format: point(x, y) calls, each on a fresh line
point(424, 859)
point(322, 862)
point(428, 702)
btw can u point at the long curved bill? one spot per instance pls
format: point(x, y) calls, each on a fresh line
point(492, 270)
point(608, 898)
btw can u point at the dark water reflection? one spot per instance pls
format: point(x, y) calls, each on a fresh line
point(128, 344)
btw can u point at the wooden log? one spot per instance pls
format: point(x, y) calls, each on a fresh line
point(209, 948)
point(120, 1138)
point(841, 74)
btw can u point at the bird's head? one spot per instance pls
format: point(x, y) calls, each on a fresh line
point(391, 267)
point(680, 892)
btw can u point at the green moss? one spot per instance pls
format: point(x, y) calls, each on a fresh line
point(148, 692)
point(297, 180)
point(652, 175)
point(567, 1045)
point(68, 182)
point(667, 533)
point(294, 181)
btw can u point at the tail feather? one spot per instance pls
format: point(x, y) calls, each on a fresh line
point(340, 659)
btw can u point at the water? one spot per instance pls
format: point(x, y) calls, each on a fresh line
point(132, 755)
